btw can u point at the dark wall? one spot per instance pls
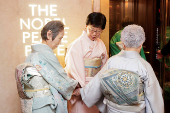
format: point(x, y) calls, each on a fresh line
point(143, 13)
point(147, 19)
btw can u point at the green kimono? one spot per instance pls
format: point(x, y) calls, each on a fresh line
point(114, 48)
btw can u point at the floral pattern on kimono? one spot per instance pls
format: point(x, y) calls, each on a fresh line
point(43, 59)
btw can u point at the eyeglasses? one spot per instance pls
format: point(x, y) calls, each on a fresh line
point(97, 31)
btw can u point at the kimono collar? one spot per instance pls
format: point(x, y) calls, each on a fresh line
point(87, 39)
point(129, 54)
point(41, 48)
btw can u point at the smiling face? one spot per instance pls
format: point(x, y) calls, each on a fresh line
point(93, 32)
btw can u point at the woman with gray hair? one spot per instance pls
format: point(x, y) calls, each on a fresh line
point(133, 37)
point(127, 82)
point(43, 85)
point(115, 41)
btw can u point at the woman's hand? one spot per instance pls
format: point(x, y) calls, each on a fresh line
point(159, 55)
point(102, 56)
point(76, 92)
point(78, 86)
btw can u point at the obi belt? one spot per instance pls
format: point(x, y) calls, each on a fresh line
point(92, 67)
point(122, 87)
point(27, 84)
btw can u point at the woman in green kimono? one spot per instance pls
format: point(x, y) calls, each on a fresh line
point(114, 45)
point(45, 82)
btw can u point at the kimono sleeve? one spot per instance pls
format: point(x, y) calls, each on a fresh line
point(91, 94)
point(104, 60)
point(153, 93)
point(54, 74)
point(75, 65)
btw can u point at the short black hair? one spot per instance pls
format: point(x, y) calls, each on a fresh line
point(55, 26)
point(127, 21)
point(96, 19)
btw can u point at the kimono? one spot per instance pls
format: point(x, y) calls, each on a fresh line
point(79, 50)
point(114, 49)
point(48, 87)
point(126, 60)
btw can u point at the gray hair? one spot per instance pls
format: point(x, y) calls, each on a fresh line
point(55, 26)
point(132, 36)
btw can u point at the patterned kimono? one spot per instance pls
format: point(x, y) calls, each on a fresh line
point(114, 49)
point(51, 87)
point(131, 61)
point(82, 48)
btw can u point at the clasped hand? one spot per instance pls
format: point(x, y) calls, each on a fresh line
point(76, 92)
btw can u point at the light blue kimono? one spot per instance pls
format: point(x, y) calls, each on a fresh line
point(43, 59)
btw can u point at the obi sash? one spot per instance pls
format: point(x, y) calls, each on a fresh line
point(92, 67)
point(19, 76)
point(26, 91)
point(122, 87)
point(26, 100)
point(27, 81)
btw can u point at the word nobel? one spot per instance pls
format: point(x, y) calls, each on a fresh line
point(36, 24)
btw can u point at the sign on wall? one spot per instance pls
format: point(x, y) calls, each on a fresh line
point(22, 21)
point(37, 23)
point(36, 15)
